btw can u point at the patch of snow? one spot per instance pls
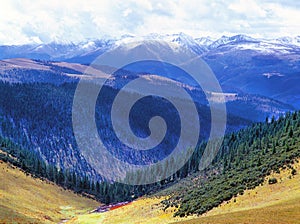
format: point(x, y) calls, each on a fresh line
point(88, 45)
point(271, 74)
point(264, 47)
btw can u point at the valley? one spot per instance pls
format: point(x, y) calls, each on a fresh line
point(224, 189)
point(259, 205)
point(278, 203)
point(155, 112)
point(259, 79)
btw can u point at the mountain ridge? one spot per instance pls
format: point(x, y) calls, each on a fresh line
point(63, 51)
point(267, 67)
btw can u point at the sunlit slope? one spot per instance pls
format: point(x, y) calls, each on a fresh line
point(276, 203)
point(24, 199)
point(144, 210)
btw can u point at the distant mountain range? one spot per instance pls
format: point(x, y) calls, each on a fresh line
point(72, 52)
point(242, 64)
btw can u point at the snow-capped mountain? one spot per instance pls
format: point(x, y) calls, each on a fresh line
point(288, 40)
point(205, 41)
point(265, 67)
point(89, 49)
point(186, 41)
point(224, 40)
point(268, 67)
point(54, 50)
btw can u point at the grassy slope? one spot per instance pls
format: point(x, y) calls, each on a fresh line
point(277, 203)
point(28, 200)
point(144, 210)
point(140, 211)
point(24, 199)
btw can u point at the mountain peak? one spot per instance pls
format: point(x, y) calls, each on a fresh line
point(242, 37)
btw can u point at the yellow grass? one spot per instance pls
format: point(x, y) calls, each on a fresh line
point(24, 199)
point(143, 210)
point(277, 203)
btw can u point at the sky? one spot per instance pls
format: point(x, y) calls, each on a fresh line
point(38, 21)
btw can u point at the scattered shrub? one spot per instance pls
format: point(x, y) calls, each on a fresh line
point(273, 180)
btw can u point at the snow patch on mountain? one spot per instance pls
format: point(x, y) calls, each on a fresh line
point(265, 47)
point(271, 74)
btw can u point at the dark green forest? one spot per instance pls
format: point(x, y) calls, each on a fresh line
point(244, 160)
point(32, 164)
point(38, 116)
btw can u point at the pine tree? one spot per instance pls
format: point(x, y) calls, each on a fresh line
point(291, 133)
point(273, 149)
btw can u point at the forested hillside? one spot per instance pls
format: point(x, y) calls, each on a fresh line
point(258, 165)
point(246, 157)
point(38, 116)
point(32, 163)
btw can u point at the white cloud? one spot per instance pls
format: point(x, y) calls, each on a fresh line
point(63, 20)
point(250, 9)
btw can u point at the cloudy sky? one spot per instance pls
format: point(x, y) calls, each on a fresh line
point(25, 21)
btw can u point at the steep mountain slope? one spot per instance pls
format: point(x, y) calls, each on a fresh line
point(44, 123)
point(267, 68)
point(264, 200)
point(36, 109)
point(25, 199)
point(256, 181)
point(244, 160)
point(269, 203)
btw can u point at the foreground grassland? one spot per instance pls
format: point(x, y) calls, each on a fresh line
point(143, 210)
point(24, 199)
point(235, 189)
point(275, 204)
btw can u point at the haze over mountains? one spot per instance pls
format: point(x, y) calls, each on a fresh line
point(242, 64)
point(259, 78)
point(70, 51)
point(166, 109)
